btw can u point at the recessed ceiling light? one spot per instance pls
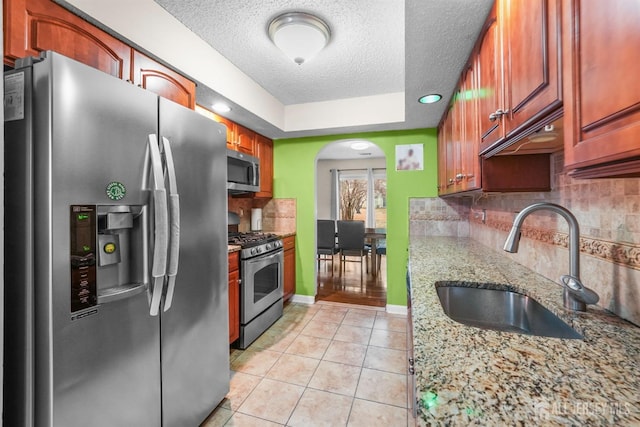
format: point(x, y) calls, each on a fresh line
point(546, 134)
point(430, 99)
point(220, 107)
point(359, 145)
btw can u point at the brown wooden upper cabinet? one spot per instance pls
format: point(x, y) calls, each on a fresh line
point(239, 138)
point(244, 139)
point(264, 151)
point(499, 100)
point(458, 139)
point(602, 88)
point(519, 71)
point(151, 75)
point(231, 126)
point(33, 26)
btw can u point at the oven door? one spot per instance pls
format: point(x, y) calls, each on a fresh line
point(261, 284)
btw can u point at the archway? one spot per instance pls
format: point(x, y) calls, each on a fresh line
point(351, 184)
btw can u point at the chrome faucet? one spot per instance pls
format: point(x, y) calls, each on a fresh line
point(575, 296)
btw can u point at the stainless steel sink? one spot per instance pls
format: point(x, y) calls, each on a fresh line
point(501, 310)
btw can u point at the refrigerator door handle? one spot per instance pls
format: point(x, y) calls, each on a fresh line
point(161, 227)
point(174, 232)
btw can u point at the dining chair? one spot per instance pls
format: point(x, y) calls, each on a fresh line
point(381, 249)
point(351, 243)
point(326, 241)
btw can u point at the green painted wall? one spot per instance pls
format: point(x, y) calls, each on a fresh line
point(295, 175)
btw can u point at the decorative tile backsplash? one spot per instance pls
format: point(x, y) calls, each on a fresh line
point(439, 217)
point(608, 211)
point(277, 214)
point(280, 215)
point(618, 252)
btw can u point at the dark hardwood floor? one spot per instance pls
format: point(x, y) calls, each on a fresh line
point(349, 288)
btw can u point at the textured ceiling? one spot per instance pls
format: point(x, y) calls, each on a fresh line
point(377, 47)
point(364, 57)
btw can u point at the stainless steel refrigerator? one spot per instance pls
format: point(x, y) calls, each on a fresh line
point(116, 253)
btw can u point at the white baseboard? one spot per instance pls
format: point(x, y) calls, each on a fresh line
point(303, 299)
point(397, 309)
point(310, 300)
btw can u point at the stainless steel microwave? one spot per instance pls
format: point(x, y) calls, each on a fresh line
point(243, 173)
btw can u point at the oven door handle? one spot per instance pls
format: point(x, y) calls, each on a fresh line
point(265, 259)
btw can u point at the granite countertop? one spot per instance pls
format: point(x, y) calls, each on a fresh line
point(282, 234)
point(470, 376)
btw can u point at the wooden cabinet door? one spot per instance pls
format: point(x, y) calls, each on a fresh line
point(443, 139)
point(602, 86)
point(469, 174)
point(532, 40)
point(234, 306)
point(450, 154)
point(245, 139)
point(490, 83)
point(157, 78)
point(289, 278)
point(454, 165)
point(231, 128)
point(33, 26)
point(234, 297)
point(264, 152)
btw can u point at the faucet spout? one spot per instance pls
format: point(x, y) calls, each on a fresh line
point(575, 296)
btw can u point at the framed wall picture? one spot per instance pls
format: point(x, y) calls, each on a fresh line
point(409, 157)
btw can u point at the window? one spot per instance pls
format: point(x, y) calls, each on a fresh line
point(363, 196)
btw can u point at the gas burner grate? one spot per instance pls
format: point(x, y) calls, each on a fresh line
point(247, 240)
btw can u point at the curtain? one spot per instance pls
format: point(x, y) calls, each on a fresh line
point(335, 191)
point(371, 211)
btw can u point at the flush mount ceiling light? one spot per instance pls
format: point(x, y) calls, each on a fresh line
point(299, 35)
point(359, 145)
point(430, 99)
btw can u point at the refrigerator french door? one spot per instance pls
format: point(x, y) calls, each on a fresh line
point(116, 270)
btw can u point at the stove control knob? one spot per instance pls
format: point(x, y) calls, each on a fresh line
point(268, 246)
point(259, 249)
point(253, 251)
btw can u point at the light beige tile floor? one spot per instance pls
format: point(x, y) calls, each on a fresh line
point(321, 365)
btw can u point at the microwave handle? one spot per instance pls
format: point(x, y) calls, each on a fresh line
point(254, 179)
point(252, 172)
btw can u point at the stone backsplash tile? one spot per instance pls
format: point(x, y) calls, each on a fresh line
point(279, 215)
point(439, 217)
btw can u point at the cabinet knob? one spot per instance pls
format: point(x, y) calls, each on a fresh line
point(460, 176)
point(497, 114)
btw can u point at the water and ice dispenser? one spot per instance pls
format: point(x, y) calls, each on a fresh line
point(107, 247)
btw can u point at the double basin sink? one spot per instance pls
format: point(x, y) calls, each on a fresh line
point(474, 304)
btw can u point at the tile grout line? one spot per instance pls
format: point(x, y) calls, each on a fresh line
point(321, 359)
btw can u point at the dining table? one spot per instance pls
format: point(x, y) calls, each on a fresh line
point(373, 235)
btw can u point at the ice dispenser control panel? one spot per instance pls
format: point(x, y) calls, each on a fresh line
point(83, 257)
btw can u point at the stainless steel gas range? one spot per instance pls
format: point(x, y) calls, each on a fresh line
point(261, 289)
